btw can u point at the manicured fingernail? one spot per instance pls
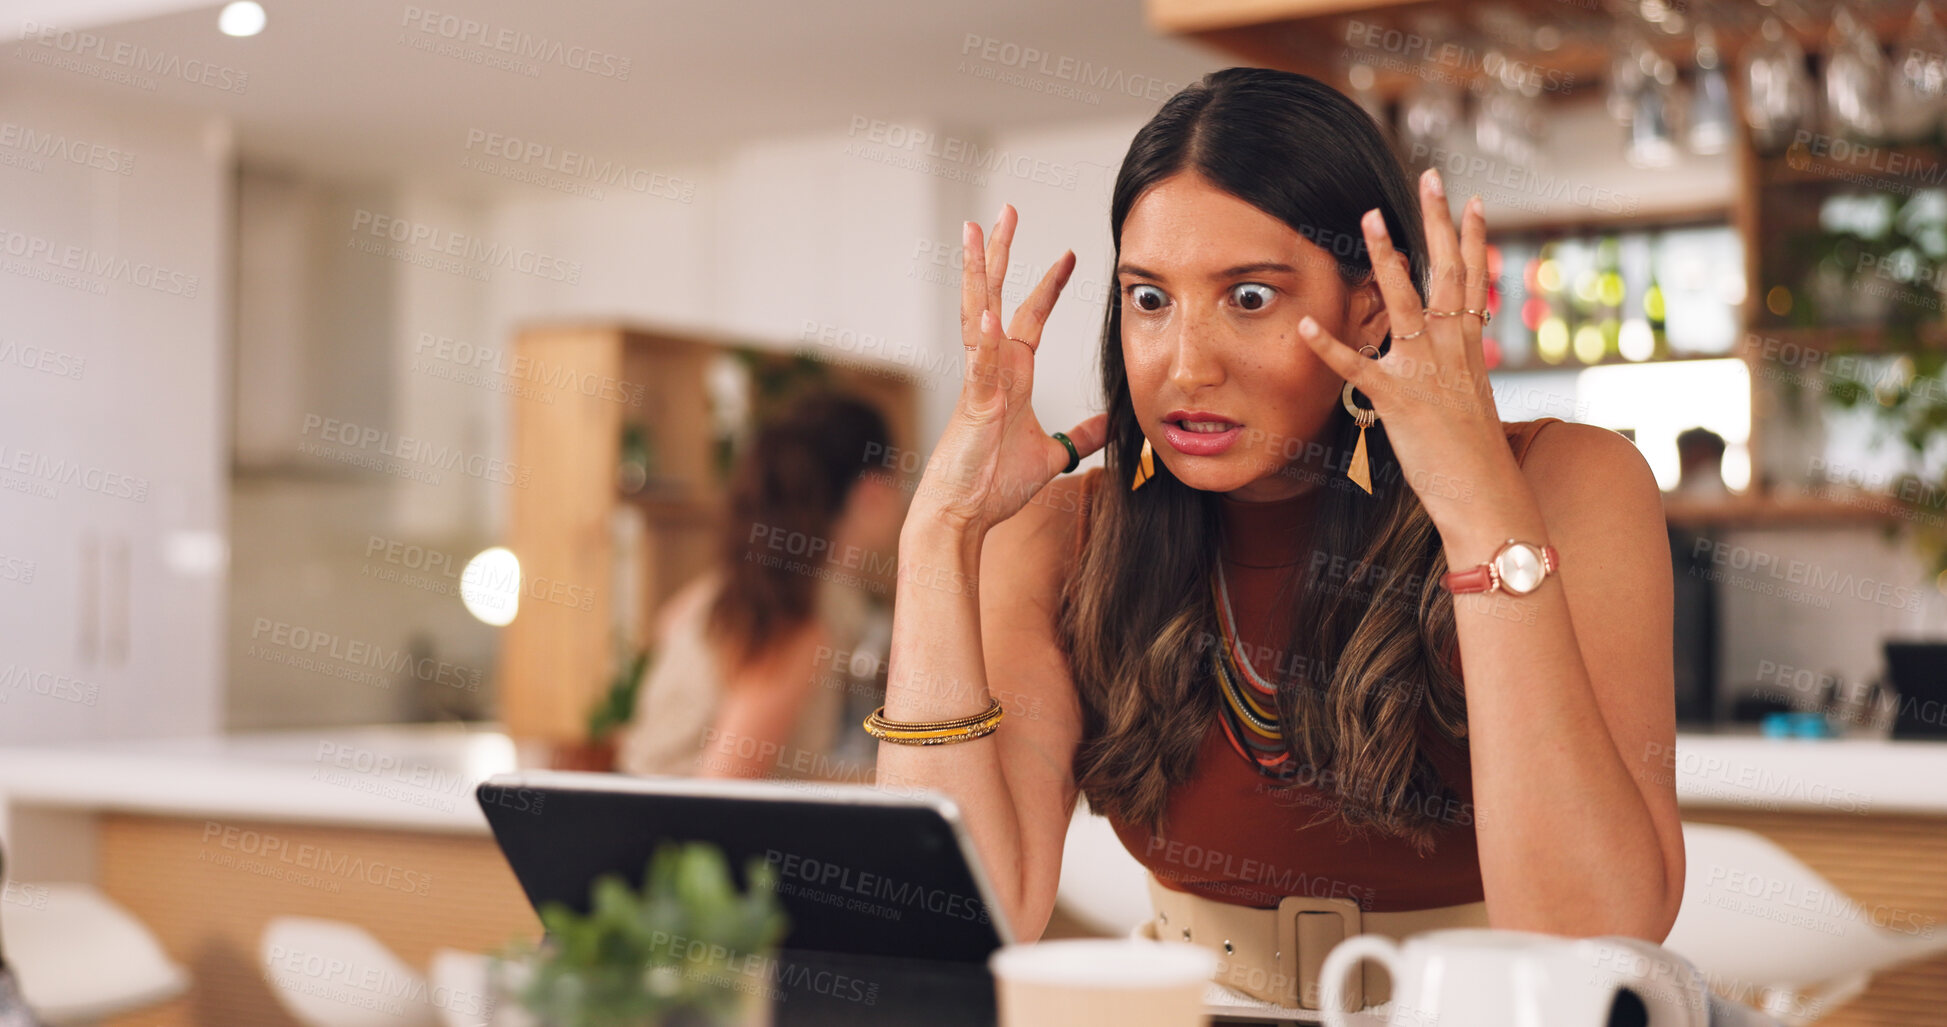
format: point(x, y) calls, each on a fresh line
point(986, 320)
point(1433, 183)
point(1375, 223)
point(966, 231)
point(1307, 327)
point(1474, 204)
point(1002, 215)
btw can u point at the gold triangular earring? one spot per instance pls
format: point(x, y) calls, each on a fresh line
point(1365, 417)
point(1145, 466)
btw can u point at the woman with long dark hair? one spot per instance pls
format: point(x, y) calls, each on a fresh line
point(1333, 647)
point(747, 679)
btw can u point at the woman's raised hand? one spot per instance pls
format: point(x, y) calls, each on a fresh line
point(994, 457)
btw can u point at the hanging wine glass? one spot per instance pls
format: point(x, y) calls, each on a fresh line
point(1429, 113)
point(1855, 78)
point(1710, 98)
point(1625, 77)
point(1362, 79)
point(1524, 119)
point(1652, 141)
point(1917, 94)
point(1777, 92)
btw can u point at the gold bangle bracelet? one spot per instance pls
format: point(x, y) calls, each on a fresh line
point(944, 738)
point(879, 718)
point(937, 732)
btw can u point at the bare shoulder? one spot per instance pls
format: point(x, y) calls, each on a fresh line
point(1595, 488)
point(684, 604)
point(1582, 467)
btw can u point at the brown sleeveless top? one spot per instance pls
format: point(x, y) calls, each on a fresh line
point(1232, 834)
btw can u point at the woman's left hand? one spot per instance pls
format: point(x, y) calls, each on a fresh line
point(1430, 389)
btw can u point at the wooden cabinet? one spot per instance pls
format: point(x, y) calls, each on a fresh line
point(601, 551)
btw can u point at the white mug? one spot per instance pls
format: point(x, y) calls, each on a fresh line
point(1481, 977)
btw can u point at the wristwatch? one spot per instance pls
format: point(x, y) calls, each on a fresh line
point(1517, 568)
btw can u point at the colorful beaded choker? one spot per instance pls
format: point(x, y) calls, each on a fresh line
point(1249, 710)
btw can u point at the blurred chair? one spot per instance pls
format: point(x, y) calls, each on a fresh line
point(1754, 916)
point(326, 973)
point(464, 993)
point(1102, 886)
point(80, 957)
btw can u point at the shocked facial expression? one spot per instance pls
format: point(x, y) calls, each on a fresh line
point(1212, 289)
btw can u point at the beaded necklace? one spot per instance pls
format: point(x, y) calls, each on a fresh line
point(1249, 711)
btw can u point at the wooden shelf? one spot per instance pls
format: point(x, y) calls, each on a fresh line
point(1571, 364)
point(1310, 36)
point(557, 657)
point(1833, 508)
point(1864, 338)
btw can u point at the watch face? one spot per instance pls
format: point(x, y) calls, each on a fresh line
point(1519, 566)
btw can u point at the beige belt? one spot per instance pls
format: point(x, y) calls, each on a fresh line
point(1274, 954)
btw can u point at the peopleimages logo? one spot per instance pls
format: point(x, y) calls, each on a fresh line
point(465, 247)
point(956, 151)
point(575, 166)
point(40, 469)
point(58, 147)
point(82, 260)
point(516, 43)
point(409, 450)
point(70, 47)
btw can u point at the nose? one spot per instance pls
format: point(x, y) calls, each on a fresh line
point(1194, 362)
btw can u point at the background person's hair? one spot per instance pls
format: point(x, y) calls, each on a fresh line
point(1371, 644)
point(1701, 441)
point(789, 483)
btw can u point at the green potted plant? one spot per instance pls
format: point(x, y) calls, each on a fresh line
point(687, 950)
point(611, 711)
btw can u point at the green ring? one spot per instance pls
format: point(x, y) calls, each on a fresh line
point(1074, 458)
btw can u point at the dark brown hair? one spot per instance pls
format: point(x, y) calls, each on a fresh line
point(790, 483)
point(1139, 630)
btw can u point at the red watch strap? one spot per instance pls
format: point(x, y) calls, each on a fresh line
point(1480, 578)
point(1473, 579)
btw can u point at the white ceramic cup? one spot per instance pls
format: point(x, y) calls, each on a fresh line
point(1480, 977)
point(1102, 980)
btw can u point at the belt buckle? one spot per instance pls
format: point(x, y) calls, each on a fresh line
point(1308, 928)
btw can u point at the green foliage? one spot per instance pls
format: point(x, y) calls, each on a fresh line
point(1892, 249)
point(617, 704)
point(689, 948)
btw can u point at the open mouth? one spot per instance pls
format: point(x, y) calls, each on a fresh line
point(1202, 435)
point(1205, 427)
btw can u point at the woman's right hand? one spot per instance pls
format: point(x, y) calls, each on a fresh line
point(994, 456)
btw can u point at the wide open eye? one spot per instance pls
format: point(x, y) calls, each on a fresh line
point(1147, 298)
point(1253, 295)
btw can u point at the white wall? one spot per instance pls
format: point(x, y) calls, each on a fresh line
point(111, 583)
point(1070, 212)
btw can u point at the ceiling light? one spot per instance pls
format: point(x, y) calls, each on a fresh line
point(241, 18)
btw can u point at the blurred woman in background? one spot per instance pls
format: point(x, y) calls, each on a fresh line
point(751, 670)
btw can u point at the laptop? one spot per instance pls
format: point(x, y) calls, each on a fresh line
point(892, 916)
point(1918, 673)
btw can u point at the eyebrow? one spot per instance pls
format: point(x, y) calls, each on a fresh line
point(1229, 272)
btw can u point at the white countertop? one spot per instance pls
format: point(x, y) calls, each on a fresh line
point(421, 777)
point(418, 777)
point(1842, 775)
